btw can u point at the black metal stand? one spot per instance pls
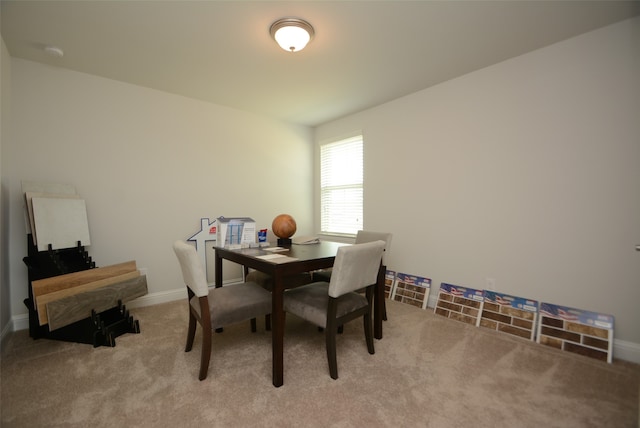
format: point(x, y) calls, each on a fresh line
point(100, 329)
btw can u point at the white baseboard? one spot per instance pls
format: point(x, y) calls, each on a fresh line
point(628, 351)
point(622, 349)
point(21, 322)
point(157, 298)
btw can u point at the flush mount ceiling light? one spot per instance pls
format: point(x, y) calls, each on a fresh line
point(292, 34)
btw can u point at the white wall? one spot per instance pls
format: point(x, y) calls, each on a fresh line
point(149, 164)
point(527, 172)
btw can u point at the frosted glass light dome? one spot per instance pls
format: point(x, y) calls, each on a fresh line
point(292, 34)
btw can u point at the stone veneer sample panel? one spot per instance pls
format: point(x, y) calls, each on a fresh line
point(576, 330)
point(459, 303)
point(509, 314)
point(411, 289)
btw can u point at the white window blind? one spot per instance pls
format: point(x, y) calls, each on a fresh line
point(341, 186)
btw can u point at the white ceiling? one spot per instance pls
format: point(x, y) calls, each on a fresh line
point(364, 52)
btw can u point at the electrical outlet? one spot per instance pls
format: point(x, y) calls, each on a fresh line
point(490, 284)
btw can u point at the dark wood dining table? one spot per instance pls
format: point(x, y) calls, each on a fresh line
point(307, 258)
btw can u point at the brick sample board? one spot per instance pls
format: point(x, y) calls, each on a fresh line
point(509, 314)
point(459, 303)
point(576, 330)
point(411, 289)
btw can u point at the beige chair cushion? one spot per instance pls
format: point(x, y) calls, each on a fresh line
point(310, 302)
point(192, 272)
point(356, 267)
point(362, 237)
point(228, 304)
point(235, 303)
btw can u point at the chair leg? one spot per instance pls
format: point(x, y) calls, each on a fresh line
point(267, 322)
point(340, 329)
point(384, 309)
point(368, 332)
point(253, 325)
point(191, 333)
point(206, 351)
point(331, 351)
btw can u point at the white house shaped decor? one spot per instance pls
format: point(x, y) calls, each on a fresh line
point(208, 231)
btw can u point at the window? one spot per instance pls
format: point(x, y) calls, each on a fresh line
point(341, 187)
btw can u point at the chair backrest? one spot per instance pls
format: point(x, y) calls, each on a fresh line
point(368, 236)
point(355, 267)
point(192, 271)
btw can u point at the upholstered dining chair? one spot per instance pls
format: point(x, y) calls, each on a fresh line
point(332, 304)
point(361, 237)
point(216, 307)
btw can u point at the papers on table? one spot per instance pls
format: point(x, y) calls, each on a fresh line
point(305, 240)
point(275, 249)
point(277, 258)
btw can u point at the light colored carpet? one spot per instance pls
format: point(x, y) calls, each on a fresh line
point(428, 371)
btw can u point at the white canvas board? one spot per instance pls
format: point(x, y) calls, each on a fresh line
point(42, 187)
point(29, 197)
point(54, 188)
point(61, 222)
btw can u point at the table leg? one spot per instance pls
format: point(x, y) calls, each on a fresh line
point(218, 280)
point(218, 268)
point(378, 304)
point(277, 330)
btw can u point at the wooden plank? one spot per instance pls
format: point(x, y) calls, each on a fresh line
point(74, 308)
point(42, 301)
point(60, 282)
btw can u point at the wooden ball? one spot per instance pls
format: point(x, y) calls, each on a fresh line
point(284, 226)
